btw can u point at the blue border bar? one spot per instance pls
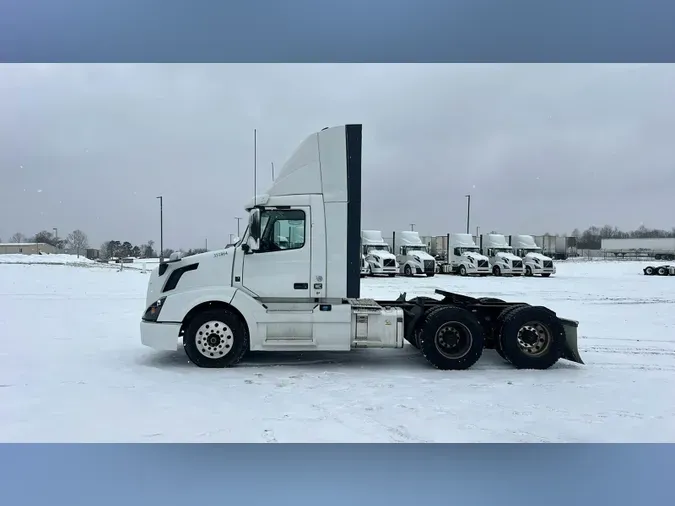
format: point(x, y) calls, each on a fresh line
point(472, 474)
point(342, 31)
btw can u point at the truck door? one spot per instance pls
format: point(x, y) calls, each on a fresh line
point(281, 267)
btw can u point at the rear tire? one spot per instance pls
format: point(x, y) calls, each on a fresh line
point(531, 337)
point(451, 338)
point(662, 271)
point(546, 275)
point(649, 271)
point(500, 324)
point(215, 339)
point(414, 339)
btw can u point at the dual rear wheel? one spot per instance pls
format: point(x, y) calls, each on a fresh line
point(529, 337)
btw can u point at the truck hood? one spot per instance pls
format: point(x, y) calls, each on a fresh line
point(539, 256)
point(208, 262)
point(422, 255)
point(508, 256)
point(475, 256)
point(381, 253)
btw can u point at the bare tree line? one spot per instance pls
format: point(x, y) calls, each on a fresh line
point(76, 241)
point(591, 238)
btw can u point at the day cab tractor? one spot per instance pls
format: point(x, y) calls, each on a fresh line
point(270, 293)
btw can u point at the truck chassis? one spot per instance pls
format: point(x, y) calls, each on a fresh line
point(529, 337)
point(451, 333)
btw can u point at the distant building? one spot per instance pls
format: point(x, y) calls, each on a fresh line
point(26, 248)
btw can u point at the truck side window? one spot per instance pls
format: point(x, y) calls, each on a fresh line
point(284, 230)
point(457, 252)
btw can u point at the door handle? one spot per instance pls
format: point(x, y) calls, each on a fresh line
point(301, 286)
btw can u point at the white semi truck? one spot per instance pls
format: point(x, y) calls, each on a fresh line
point(465, 257)
point(535, 263)
point(414, 257)
point(500, 254)
point(365, 269)
point(259, 296)
point(381, 261)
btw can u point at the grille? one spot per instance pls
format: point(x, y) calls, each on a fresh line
point(482, 263)
point(548, 264)
point(429, 265)
point(388, 262)
point(517, 264)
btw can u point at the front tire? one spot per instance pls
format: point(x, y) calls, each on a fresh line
point(528, 271)
point(215, 339)
point(451, 338)
point(496, 271)
point(408, 271)
point(462, 270)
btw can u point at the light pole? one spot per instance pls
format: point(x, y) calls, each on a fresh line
point(238, 220)
point(56, 237)
point(468, 212)
point(161, 229)
point(412, 226)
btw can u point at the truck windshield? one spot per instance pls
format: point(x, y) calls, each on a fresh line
point(502, 250)
point(470, 250)
point(380, 247)
point(420, 247)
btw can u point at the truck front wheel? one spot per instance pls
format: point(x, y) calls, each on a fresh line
point(215, 339)
point(451, 338)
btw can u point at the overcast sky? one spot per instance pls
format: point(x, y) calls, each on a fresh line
point(541, 148)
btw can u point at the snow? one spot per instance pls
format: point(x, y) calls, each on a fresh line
point(72, 369)
point(47, 258)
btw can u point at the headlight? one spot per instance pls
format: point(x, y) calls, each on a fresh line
point(152, 312)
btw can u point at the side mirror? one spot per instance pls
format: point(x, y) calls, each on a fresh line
point(253, 240)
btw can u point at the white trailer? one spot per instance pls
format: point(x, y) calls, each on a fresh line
point(259, 296)
point(465, 258)
point(413, 255)
point(535, 263)
point(381, 261)
point(500, 254)
point(660, 248)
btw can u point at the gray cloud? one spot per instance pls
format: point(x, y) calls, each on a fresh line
point(541, 148)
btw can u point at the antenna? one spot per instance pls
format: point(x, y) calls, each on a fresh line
point(255, 165)
point(272, 171)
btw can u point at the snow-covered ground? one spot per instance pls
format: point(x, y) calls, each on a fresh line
point(72, 369)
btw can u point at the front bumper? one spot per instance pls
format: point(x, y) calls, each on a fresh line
point(385, 270)
point(160, 336)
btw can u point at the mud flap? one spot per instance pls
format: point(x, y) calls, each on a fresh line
point(571, 351)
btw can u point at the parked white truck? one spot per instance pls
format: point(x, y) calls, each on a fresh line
point(381, 261)
point(259, 296)
point(500, 255)
point(465, 257)
point(535, 263)
point(414, 257)
point(365, 269)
